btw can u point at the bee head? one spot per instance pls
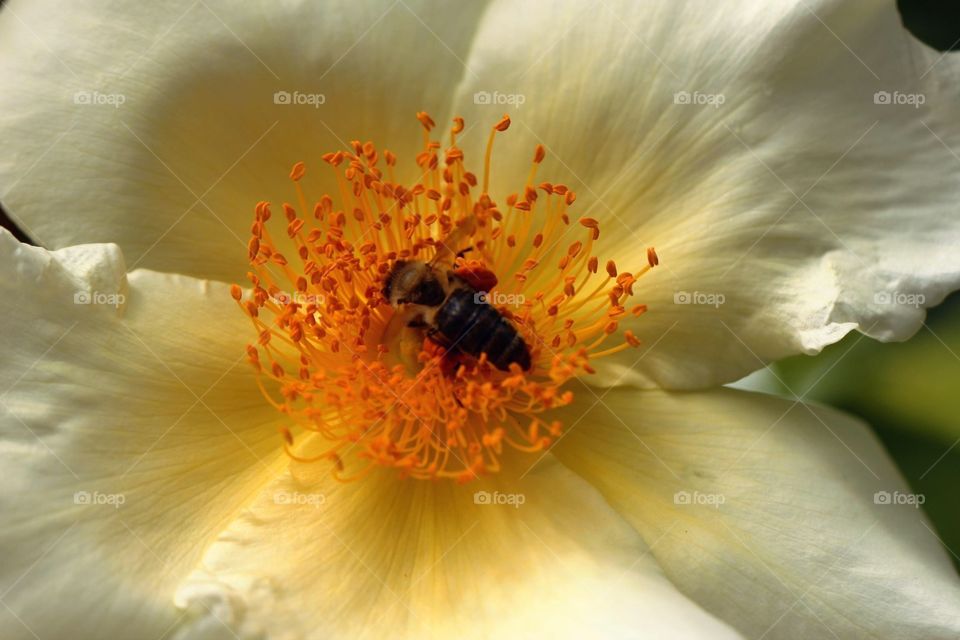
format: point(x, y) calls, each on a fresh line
point(412, 282)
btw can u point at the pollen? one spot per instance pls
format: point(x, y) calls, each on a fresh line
point(369, 391)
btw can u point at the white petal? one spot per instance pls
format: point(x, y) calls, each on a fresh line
point(172, 173)
point(792, 213)
point(379, 558)
point(130, 435)
point(764, 512)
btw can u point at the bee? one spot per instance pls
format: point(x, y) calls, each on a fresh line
point(449, 305)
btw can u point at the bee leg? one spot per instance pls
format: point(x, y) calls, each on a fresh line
point(464, 251)
point(438, 338)
point(403, 338)
point(404, 317)
point(450, 364)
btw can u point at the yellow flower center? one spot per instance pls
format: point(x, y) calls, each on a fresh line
point(379, 382)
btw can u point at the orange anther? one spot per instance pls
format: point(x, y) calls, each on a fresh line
point(298, 171)
point(425, 120)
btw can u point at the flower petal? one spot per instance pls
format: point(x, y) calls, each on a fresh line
point(780, 518)
point(130, 433)
point(789, 202)
point(410, 559)
point(159, 129)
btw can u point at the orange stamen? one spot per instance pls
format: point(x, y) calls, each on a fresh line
point(333, 356)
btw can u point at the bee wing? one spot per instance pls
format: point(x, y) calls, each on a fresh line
point(448, 248)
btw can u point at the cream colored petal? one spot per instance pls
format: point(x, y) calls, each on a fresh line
point(746, 143)
point(784, 520)
point(543, 557)
point(130, 434)
point(155, 125)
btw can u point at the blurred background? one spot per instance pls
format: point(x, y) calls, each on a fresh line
point(908, 392)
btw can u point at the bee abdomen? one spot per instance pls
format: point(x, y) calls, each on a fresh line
point(474, 327)
point(506, 346)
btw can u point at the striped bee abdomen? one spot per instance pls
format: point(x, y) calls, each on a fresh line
point(475, 327)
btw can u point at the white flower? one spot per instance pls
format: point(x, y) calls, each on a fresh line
point(765, 149)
